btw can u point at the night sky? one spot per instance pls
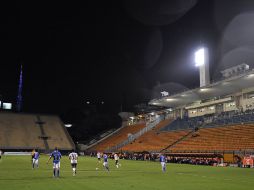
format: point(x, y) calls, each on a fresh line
point(119, 52)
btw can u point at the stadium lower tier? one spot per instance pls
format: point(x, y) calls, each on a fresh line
point(132, 129)
point(116, 138)
point(238, 137)
point(226, 138)
point(28, 131)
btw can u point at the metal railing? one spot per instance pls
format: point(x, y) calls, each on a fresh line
point(131, 138)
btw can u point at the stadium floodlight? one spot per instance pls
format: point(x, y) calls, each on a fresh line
point(202, 62)
point(200, 57)
point(68, 125)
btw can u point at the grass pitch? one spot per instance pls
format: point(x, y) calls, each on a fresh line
point(16, 174)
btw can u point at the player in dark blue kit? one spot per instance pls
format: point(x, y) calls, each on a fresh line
point(56, 162)
point(163, 162)
point(105, 162)
point(35, 160)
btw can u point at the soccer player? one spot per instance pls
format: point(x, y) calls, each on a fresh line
point(35, 159)
point(163, 162)
point(56, 162)
point(105, 163)
point(32, 154)
point(73, 156)
point(1, 154)
point(99, 157)
point(116, 158)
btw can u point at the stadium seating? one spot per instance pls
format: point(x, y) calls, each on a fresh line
point(178, 124)
point(23, 131)
point(57, 134)
point(155, 140)
point(212, 120)
point(231, 131)
point(117, 138)
point(19, 130)
point(218, 135)
point(226, 138)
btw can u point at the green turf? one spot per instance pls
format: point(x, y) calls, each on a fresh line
point(16, 174)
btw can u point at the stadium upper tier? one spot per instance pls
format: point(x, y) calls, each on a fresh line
point(221, 88)
point(211, 120)
point(28, 131)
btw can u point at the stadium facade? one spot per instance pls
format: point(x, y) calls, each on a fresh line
point(233, 93)
point(214, 120)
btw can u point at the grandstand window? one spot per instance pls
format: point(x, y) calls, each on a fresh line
point(230, 104)
point(250, 96)
point(7, 106)
point(211, 107)
point(201, 110)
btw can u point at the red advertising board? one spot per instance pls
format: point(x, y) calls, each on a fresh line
point(248, 161)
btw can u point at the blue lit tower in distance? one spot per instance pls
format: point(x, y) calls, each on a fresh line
point(19, 97)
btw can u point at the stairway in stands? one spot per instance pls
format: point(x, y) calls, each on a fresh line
point(43, 135)
point(178, 141)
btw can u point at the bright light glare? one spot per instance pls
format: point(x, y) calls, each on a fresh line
point(200, 57)
point(250, 76)
point(7, 106)
point(68, 125)
point(204, 89)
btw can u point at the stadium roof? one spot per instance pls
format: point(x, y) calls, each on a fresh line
point(218, 89)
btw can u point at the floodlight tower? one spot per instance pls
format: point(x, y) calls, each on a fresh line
point(202, 61)
point(19, 97)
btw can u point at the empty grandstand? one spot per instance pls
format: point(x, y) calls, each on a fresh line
point(125, 133)
point(28, 131)
point(215, 119)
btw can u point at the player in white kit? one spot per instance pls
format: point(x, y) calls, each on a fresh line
point(1, 154)
point(116, 158)
point(73, 156)
point(99, 157)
